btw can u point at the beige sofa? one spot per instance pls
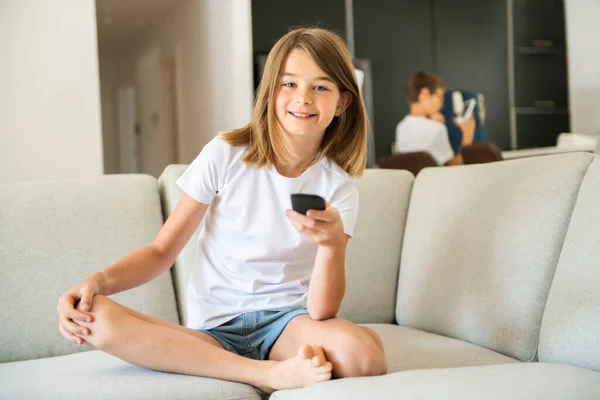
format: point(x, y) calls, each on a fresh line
point(483, 282)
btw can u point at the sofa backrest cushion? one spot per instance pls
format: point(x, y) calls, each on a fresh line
point(373, 254)
point(481, 246)
point(53, 234)
point(570, 331)
point(170, 195)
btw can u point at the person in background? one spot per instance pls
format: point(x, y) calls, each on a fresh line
point(423, 128)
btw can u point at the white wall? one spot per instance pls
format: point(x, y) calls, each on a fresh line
point(108, 78)
point(230, 86)
point(215, 37)
point(49, 97)
point(582, 19)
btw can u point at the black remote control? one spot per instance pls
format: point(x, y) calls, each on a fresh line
point(302, 202)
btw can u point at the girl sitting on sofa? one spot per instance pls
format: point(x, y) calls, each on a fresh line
point(268, 281)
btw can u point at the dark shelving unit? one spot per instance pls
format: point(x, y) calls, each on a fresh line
point(539, 50)
point(511, 51)
point(538, 85)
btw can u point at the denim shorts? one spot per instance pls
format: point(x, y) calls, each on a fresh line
point(253, 334)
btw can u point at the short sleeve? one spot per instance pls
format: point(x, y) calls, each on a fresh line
point(204, 177)
point(441, 150)
point(345, 199)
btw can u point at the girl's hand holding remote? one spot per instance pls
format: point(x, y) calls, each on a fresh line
point(324, 228)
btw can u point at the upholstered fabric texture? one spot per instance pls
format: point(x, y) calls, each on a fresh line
point(97, 375)
point(481, 246)
point(523, 381)
point(373, 254)
point(56, 233)
point(571, 325)
point(408, 349)
point(170, 195)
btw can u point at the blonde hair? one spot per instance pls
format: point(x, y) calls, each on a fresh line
point(345, 139)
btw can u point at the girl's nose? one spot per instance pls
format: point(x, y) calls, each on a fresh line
point(303, 97)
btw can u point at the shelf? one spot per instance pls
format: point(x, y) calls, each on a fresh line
point(539, 50)
point(539, 110)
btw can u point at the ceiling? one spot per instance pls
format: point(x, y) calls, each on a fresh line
point(118, 20)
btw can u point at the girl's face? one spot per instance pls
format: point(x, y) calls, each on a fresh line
point(307, 99)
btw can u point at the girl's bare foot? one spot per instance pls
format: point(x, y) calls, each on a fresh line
point(305, 369)
point(318, 356)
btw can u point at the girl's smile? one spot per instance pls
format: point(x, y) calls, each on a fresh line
point(302, 116)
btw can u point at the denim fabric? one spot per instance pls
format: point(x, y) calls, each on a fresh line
point(253, 334)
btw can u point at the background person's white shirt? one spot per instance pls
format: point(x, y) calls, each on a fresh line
point(249, 256)
point(424, 134)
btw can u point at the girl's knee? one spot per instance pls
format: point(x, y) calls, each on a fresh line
point(375, 337)
point(371, 361)
point(99, 302)
point(368, 358)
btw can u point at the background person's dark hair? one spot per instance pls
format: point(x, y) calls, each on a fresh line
point(420, 80)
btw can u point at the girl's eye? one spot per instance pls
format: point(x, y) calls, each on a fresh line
point(321, 88)
point(289, 84)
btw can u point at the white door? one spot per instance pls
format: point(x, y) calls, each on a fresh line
point(155, 116)
point(169, 91)
point(128, 155)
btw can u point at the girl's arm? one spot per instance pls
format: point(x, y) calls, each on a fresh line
point(147, 263)
point(328, 281)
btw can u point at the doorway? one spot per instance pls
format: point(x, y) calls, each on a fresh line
point(147, 116)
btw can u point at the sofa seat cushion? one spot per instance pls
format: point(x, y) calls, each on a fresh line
point(98, 375)
point(407, 348)
point(529, 381)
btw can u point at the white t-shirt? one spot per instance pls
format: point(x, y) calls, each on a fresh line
point(424, 134)
point(249, 255)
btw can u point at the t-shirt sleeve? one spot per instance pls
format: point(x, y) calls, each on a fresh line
point(204, 177)
point(345, 199)
point(441, 150)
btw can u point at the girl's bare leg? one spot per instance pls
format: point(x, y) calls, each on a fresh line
point(159, 345)
point(353, 350)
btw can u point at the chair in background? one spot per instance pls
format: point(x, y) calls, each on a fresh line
point(480, 153)
point(413, 162)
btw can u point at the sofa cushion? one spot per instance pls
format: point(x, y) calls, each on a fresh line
point(98, 375)
point(170, 195)
point(373, 254)
point(408, 348)
point(54, 234)
point(481, 246)
point(571, 324)
point(529, 381)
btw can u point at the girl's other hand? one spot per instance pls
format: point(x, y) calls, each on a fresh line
point(67, 314)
